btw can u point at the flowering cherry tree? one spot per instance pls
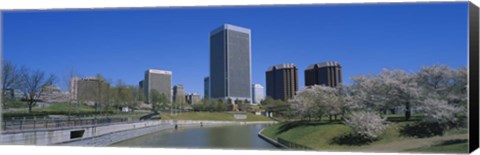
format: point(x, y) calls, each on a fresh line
point(365, 124)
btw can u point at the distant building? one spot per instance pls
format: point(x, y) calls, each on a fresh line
point(206, 87)
point(159, 80)
point(325, 73)
point(258, 95)
point(91, 90)
point(193, 98)
point(230, 63)
point(73, 90)
point(11, 93)
point(140, 84)
point(282, 81)
point(141, 93)
point(178, 94)
point(51, 94)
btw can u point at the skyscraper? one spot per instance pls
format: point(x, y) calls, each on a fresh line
point(257, 92)
point(159, 80)
point(325, 73)
point(179, 94)
point(206, 86)
point(282, 81)
point(230, 53)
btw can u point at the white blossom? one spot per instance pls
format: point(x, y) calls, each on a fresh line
point(438, 111)
point(366, 124)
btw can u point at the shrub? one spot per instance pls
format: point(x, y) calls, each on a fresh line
point(367, 125)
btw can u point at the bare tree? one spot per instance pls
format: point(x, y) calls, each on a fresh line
point(32, 82)
point(10, 75)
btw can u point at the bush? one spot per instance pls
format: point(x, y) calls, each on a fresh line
point(367, 125)
point(422, 130)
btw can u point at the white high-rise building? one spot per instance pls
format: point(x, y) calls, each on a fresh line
point(258, 95)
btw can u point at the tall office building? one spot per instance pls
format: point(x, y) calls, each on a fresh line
point(178, 94)
point(325, 73)
point(282, 81)
point(206, 86)
point(257, 92)
point(159, 80)
point(230, 63)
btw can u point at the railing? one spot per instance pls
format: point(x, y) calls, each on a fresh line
point(16, 124)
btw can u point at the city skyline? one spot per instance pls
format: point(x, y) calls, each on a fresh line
point(104, 41)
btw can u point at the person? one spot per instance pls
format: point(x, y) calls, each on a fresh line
point(201, 124)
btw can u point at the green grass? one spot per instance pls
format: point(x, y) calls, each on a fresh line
point(449, 148)
point(214, 116)
point(66, 107)
point(322, 135)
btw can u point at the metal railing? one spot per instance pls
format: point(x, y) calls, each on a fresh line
point(16, 124)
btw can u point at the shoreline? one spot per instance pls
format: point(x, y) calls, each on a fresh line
point(270, 140)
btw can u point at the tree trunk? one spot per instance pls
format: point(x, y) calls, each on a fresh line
point(330, 117)
point(30, 104)
point(407, 111)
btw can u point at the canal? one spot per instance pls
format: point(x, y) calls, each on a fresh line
point(224, 137)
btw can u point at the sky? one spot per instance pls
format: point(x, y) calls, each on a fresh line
point(121, 44)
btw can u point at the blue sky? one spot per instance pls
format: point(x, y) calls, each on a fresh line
point(123, 43)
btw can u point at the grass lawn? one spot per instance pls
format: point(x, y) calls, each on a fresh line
point(214, 116)
point(328, 136)
point(66, 109)
point(460, 147)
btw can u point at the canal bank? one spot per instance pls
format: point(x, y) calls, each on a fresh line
point(271, 141)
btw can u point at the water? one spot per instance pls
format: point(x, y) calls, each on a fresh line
point(220, 137)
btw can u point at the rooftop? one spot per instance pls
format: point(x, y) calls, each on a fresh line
point(230, 27)
point(324, 64)
point(157, 71)
point(281, 66)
